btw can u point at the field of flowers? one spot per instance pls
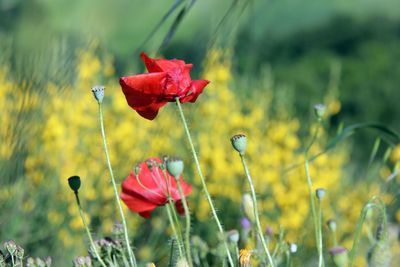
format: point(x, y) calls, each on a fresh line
point(51, 131)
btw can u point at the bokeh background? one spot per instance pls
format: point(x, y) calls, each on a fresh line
point(269, 63)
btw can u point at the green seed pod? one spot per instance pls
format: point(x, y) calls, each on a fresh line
point(339, 256)
point(239, 143)
point(98, 92)
point(319, 110)
point(175, 166)
point(331, 223)
point(233, 236)
point(320, 193)
point(74, 183)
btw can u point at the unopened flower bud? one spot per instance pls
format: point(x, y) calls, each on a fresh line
point(136, 170)
point(319, 110)
point(175, 167)
point(269, 231)
point(150, 264)
point(74, 183)
point(292, 248)
point(248, 207)
point(98, 92)
point(245, 223)
point(239, 143)
point(233, 236)
point(339, 256)
point(320, 193)
point(331, 225)
point(10, 246)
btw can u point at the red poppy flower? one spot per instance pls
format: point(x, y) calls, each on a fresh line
point(143, 192)
point(167, 79)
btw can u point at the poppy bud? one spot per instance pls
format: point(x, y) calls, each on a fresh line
point(10, 246)
point(339, 256)
point(233, 236)
point(74, 183)
point(331, 225)
point(319, 110)
point(320, 193)
point(292, 248)
point(248, 207)
point(98, 92)
point(269, 231)
point(245, 223)
point(239, 143)
point(175, 167)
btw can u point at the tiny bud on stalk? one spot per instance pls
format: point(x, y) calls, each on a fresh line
point(239, 143)
point(98, 92)
point(175, 167)
point(339, 256)
point(74, 183)
point(320, 193)
point(331, 225)
point(319, 110)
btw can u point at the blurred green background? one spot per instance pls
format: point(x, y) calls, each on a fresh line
point(300, 50)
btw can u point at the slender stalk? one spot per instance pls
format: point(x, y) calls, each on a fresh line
point(320, 246)
point(187, 217)
point(313, 210)
point(103, 134)
point(311, 193)
point(258, 224)
point(360, 224)
point(203, 182)
point(171, 220)
point(88, 232)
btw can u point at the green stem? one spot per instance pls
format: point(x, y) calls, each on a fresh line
point(258, 224)
point(87, 231)
point(311, 193)
point(312, 204)
point(103, 134)
point(334, 239)
point(187, 217)
point(203, 182)
point(360, 224)
point(169, 206)
point(320, 245)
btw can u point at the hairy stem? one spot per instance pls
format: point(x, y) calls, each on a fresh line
point(132, 258)
point(203, 182)
point(258, 224)
point(187, 217)
point(87, 231)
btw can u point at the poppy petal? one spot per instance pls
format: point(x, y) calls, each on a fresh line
point(136, 204)
point(158, 65)
point(195, 90)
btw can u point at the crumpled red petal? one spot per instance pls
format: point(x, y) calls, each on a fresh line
point(161, 65)
point(196, 89)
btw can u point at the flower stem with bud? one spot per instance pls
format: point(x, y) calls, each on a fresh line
point(74, 183)
point(99, 94)
point(203, 182)
point(239, 143)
